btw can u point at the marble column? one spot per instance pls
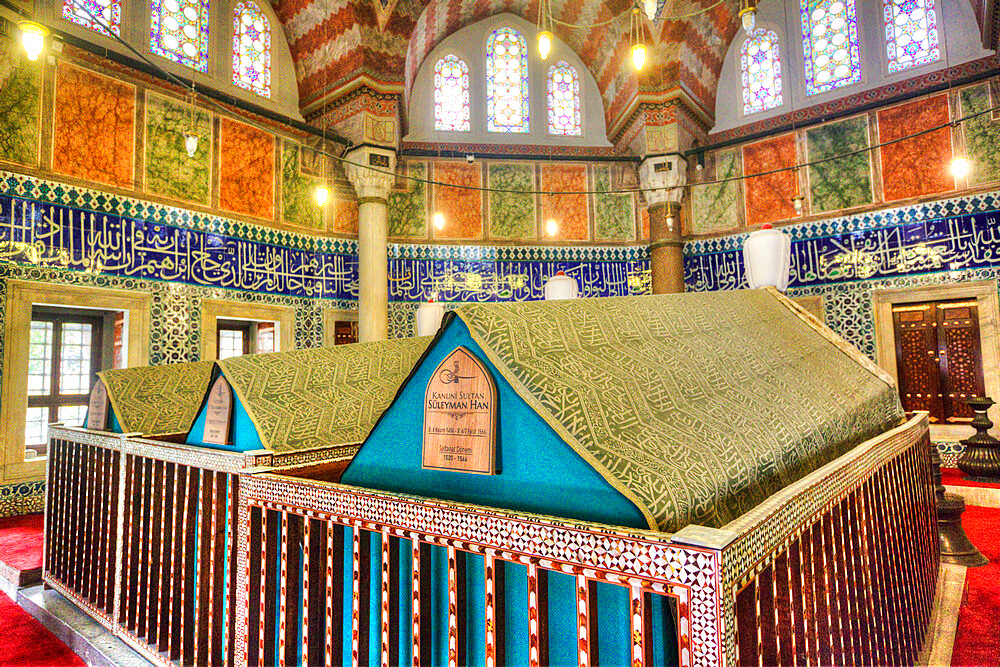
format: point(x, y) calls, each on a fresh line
point(373, 189)
point(663, 179)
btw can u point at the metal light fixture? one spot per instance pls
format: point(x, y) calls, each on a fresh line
point(551, 227)
point(748, 15)
point(545, 35)
point(321, 194)
point(439, 221)
point(191, 142)
point(960, 167)
point(33, 38)
point(638, 48)
point(798, 202)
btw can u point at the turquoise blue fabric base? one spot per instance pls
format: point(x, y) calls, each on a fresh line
point(243, 434)
point(538, 471)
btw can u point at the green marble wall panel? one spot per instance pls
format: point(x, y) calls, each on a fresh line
point(408, 207)
point(846, 181)
point(298, 205)
point(512, 216)
point(19, 105)
point(715, 206)
point(614, 215)
point(169, 170)
point(982, 135)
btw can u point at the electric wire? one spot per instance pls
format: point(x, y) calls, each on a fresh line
point(549, 193)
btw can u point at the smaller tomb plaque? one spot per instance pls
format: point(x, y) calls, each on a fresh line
point(460, 408)
point(218, 413)
point(97, 410)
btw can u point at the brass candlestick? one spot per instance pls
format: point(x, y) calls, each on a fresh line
point(954, 544)
point(981, 459)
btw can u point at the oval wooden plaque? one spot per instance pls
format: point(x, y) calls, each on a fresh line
point(97, 409)
point(218, 413)
point(460, 409)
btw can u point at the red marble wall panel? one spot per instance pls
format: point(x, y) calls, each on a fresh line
point(345, 216)
point(94, 127)
point(919, 165)
point(569, 211)
point(462, 209)
point(769, 197)
point(246, 170)
point(645, 224)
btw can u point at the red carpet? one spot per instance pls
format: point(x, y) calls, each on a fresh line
point(955, 477)
point(21, 549)
point(977, 642)
point(25, 641)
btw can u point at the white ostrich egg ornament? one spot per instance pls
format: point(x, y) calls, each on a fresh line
point(561, 286)
point(429, 318)
point(767, 257)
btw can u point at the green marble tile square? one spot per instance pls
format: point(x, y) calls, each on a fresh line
point(512, 215)
point(614, 215)
point(169, 170)
point(408, 207)
point(298, 205)
point(845, 181)
point(982, 135)
point(20, 105)
point(715, 207)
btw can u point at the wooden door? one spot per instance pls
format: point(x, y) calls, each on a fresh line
point(939, 358)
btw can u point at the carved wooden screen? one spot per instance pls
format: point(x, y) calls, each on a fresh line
point(939, 357)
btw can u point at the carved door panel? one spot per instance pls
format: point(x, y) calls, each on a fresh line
point(916, 359)
point(939, 358)
point(961, 358)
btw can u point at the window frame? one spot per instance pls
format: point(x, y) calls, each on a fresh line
point(811, 87)
point(22, 295)
point(525, 84)
point(549, 72)
point(779, 75)
point(264, 91)
point(214, 310)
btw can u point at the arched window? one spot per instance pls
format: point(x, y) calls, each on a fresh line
point(83, 12)
point(451, 94)
point(910, 33)
point(251, 49)
point(506, 82)
point(760, 63)
point(564, 100)
point(830, 44)
point(179, 31)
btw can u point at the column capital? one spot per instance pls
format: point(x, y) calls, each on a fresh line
point(662, 178)
point(369, 183)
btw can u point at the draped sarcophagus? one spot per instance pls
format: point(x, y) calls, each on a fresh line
point(689, 479)
point(141, 526)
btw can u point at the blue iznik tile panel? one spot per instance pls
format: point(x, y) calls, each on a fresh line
point(51, 225)
point(844, 260)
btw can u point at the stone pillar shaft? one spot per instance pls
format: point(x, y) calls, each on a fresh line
point(663, 180)
point(666, 257)
point(373, 270)
point(373, 186)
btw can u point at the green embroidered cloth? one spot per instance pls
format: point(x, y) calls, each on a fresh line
point(157, 400)
point(696, 406)
point(321, 397)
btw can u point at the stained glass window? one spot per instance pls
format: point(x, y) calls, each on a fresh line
point(564, 100)
point(251, 49)
point(910, 33)
point(506, 82)
point(451, 94)
point(830, 44)
point(760, 63)
point(179, 31)
point(84, 12)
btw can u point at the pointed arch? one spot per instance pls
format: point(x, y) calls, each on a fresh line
point(564, 100)
point(760, 68)
point(251, 48)
point(507, 82)
point(451, 94)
